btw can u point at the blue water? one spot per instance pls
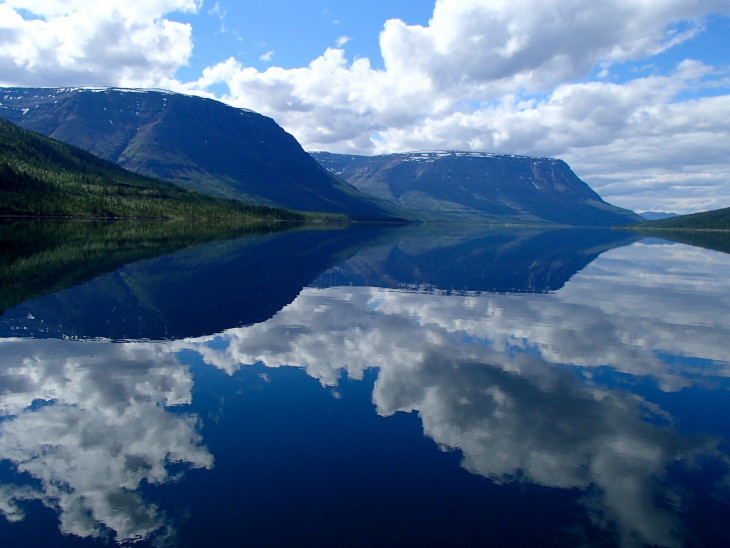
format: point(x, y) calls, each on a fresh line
point(413, 388)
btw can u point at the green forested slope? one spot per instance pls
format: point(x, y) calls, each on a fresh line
point(43, 177)
point(199, 143)
point(717, 219)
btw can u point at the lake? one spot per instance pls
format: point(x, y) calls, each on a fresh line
point(177, 385)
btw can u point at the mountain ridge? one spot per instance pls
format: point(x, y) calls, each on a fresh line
point(478, 185)
point(236, 153)
point(198, 142)
point(715, 219)
point(41, 176)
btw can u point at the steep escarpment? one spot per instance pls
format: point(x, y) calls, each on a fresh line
point(477, 185)
point(200, 143)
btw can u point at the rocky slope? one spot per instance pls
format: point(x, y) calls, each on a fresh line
point(476, 185)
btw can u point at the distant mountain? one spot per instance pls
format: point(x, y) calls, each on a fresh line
point(655, 215)
point(476, 185)
point(200, 143)
point(708, 229)
point(40, 176)
point(717, 219)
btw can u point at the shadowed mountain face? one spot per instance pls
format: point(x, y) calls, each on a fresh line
point(477, 185)
point(200, 143)
point(43, 177)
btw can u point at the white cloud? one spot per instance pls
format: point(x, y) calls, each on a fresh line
point(92, 43)
point(266, 56)
point(220, 13)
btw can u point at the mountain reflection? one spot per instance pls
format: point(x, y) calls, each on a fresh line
point(488, 374)
point(234, 282)
point(194, 292)
point(516, 383)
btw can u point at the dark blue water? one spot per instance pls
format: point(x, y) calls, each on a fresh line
point(375, 387)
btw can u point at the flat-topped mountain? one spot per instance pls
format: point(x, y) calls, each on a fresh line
point(43, 177)
point(478, 185)
point(200, 143)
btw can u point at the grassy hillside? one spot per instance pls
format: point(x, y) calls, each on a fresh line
point(43, 177)
point(708, 229)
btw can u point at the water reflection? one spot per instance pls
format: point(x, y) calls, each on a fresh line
point(570, 389)
point(89, 423)
point(194, 292)
point(488, 374)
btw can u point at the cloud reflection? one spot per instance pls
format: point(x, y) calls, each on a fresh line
point(88, 422)
point(486, 373)
point(505, 379)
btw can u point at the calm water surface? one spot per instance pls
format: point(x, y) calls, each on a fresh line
point(375, 387)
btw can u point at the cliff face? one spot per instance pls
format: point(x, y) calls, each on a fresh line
point(478, 185)
point(200, 143)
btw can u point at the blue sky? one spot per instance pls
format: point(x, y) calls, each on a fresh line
point(293, 33)
point(635, 96)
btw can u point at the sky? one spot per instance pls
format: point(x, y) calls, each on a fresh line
point(633, 94)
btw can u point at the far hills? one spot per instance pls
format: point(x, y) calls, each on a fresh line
point(708, 229)
point(717, 219)
point(40, 176)
point(230, 152)
point(478, 186)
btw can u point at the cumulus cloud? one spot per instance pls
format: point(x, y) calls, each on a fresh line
point(88, 422)
point(73, 43)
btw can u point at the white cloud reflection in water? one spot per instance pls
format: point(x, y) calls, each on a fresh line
point(88, 421)
point(486, 372)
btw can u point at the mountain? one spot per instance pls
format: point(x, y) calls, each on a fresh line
point(200, 143)
point(40, 176)
point(717, 219)
point(655, 215)
point(477, 185)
